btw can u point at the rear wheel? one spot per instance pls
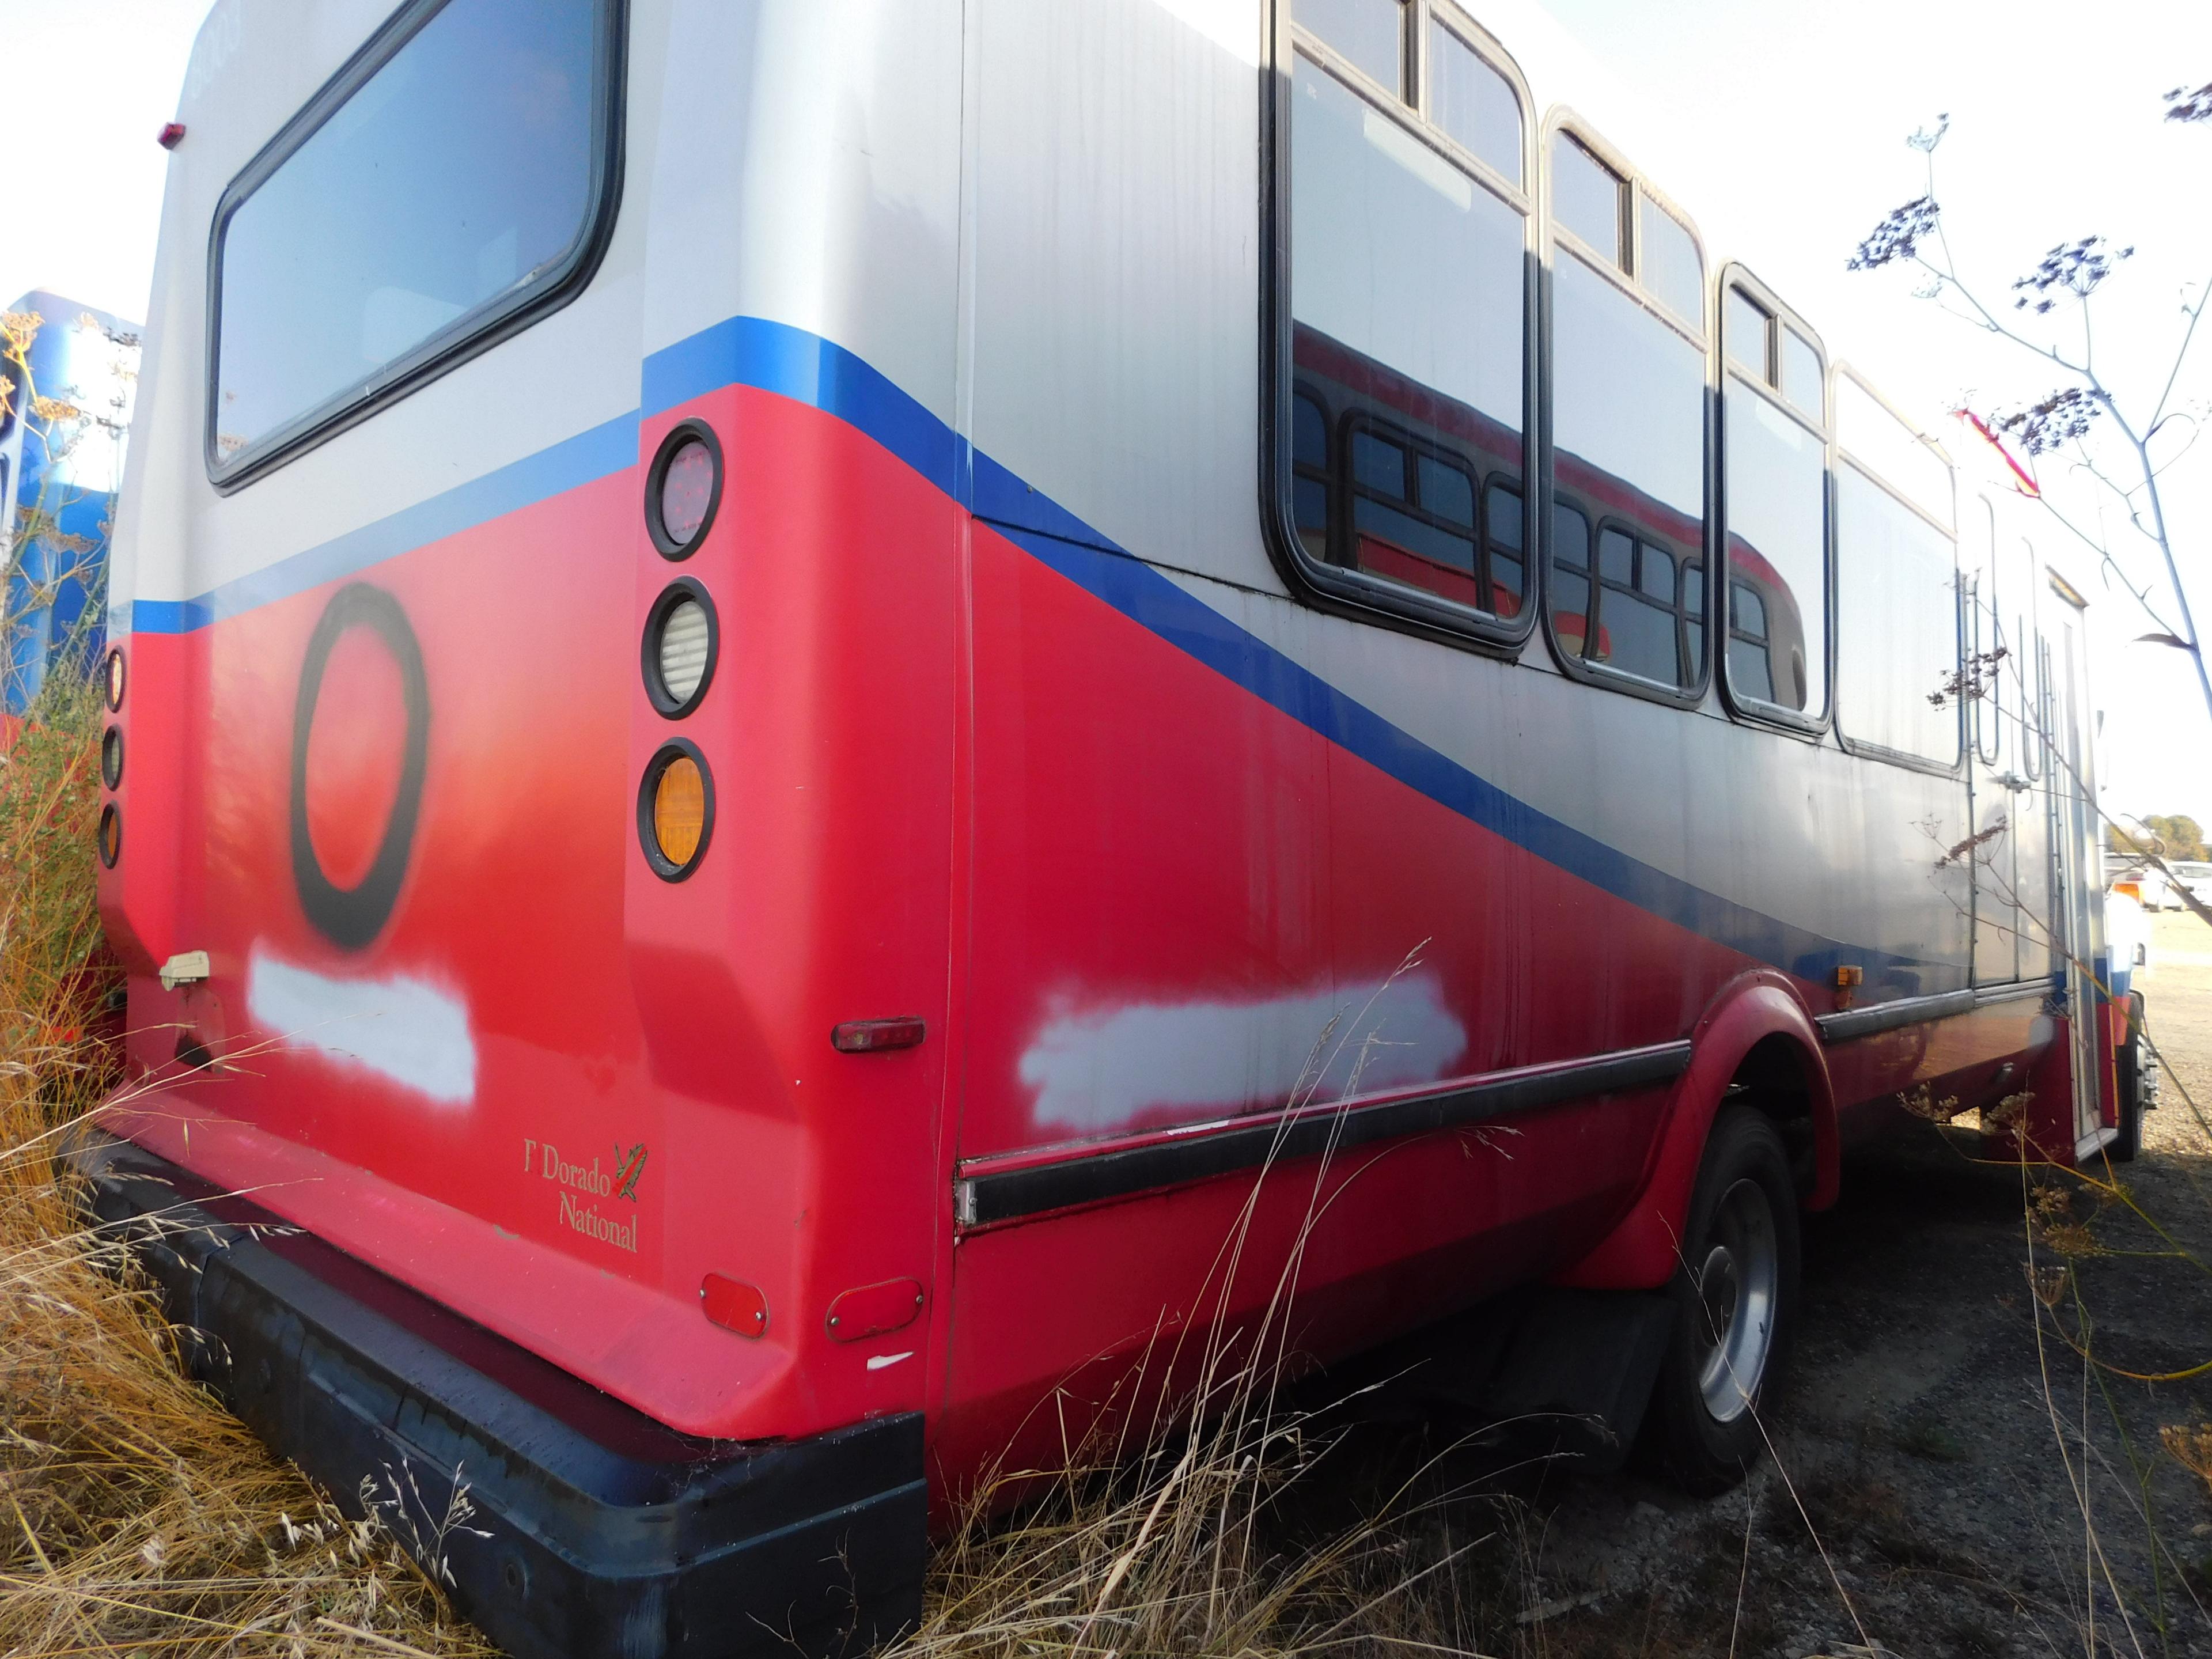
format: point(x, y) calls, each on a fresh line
point(1735, 1296)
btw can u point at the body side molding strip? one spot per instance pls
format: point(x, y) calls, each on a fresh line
point(1888, 1015)
point(1089, 1176)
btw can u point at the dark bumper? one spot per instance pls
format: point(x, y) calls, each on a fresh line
point(595, 1530)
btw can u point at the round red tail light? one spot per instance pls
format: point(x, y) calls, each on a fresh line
point(683, 488)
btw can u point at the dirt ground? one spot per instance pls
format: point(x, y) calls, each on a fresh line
point(1934, 1460)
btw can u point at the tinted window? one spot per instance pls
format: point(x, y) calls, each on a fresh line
point(1586, 198)
point(1896, 624)
point(1673, 269)
point(2017, 682)
point(1977, 584)
point(1628, 429)
point(451, 184)
point(1369, 34)
point(1776, 483)
point(1801, 374)
point(1507, 549)
point(1571, 582)
point(1472, 102)
point(1407, 296)
point(1743, 327)
point(1891, 450)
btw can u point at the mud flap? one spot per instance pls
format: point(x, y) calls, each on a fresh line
point(591, 1529)
point(1553, 1372)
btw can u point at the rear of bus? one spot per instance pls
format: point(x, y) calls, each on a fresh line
point(531, 867)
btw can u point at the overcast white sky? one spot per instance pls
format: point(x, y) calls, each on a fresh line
point(1785, 116)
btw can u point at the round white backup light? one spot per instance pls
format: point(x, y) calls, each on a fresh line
point(684, 638)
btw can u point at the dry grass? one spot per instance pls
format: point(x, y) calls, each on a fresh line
point(136, 1515)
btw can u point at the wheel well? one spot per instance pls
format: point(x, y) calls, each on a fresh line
point(1775, 1077)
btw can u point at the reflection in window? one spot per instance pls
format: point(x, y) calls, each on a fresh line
point(1751, 651)
point(1505, 550)
point(1369, 35)
point(1407, 296)
point(1892, 451)
point(454, 182)
point(2018, 679)
point(1776, 485)
point(1570, 585)
point(1978, 583)
point(1673, 269)
point(1628, 427)
point(1896, 623)
point(1412, 518)
point(1744, 328)
point(1472, 102)
point(1310, 473)
point(1649, 608)
point(1586, 198)
point(1801, 374)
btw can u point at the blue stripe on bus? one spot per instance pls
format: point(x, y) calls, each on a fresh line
point(792, 363)
point(592, 454)
point(1151, 599)
point(805, 367)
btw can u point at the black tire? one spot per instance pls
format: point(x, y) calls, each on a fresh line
point(1690, 1444)
point(2127, 1068)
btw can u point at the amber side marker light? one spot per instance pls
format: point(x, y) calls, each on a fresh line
point(114, 681)
point(675, 810)
point(868, 1036)
point(110, 835)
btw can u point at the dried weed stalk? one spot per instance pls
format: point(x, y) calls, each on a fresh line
point(136, 1515)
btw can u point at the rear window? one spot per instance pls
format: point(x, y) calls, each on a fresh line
point(452, 179)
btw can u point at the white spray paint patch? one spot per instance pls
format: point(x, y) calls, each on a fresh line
point(1101, 1070)
point(403, 1028)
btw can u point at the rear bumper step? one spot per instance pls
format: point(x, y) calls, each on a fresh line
point(595, 1530)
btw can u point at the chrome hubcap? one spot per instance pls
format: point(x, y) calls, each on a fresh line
point(1736, 1285)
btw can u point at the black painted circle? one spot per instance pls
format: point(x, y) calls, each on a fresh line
point(110, 757)
point(656, 477)
point(664, 866)
point(656, 688)
point(110, 835)
point(115, 678)
point(350, 917)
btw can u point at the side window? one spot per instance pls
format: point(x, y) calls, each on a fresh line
point(1986, 637)
point(1897, 586)
point(461, 176)
point(1628, 426)
point(2019, 682)
point(1774, 512)
point(1408, 291)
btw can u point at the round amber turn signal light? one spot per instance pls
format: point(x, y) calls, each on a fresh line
point(675, 810)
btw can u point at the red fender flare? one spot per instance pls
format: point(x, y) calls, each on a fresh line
point(1639, 1253)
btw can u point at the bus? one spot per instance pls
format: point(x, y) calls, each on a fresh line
point(807, 696)
point(67, 375)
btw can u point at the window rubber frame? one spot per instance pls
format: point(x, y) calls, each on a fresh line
point(468, 335)
point(1335, 589)
point(1755, 711)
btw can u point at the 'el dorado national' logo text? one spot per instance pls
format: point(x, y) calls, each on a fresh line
point(584, 1187)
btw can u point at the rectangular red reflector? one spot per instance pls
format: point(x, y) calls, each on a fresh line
point(866, 1037)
